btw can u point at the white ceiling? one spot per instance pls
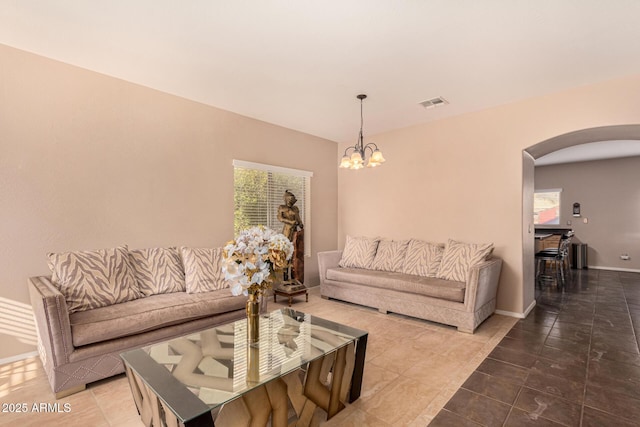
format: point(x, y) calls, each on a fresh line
point(300, 64)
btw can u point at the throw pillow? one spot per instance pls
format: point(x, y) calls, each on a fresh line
point(459, 257)
point(390, 255)
point(203, 269)
point(93, 279)
point(158, 270)
point(359, 252)
point(423, 258)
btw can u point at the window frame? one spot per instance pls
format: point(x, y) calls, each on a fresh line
point(542, 191)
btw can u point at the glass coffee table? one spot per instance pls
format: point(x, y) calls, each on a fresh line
point(301, 364)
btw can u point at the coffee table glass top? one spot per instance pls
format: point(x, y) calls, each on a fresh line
point(199, 372)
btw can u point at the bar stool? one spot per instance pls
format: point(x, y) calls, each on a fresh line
point(559, 260)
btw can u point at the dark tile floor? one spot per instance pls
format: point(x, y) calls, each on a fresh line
point(574, 361)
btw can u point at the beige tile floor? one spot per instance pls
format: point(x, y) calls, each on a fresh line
point(412, 369)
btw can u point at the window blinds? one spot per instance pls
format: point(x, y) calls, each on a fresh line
point(259, 191)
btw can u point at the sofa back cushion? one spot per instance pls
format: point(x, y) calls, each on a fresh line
point(390, 255)
point(93, 279)
point(423, 258)
point(359, 252)
point(459, 257)
point(158, 270)
point(203, 269)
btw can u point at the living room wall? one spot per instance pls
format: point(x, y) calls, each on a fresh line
point(462, 177)
point(609, 195)
point(88, 161)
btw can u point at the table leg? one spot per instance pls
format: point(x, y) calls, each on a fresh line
point(358, 369)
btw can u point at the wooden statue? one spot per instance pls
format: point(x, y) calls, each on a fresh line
point(297, 261)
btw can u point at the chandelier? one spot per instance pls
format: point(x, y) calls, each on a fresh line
point(357, 158)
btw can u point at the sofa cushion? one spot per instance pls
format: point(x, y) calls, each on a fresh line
point(423, 258)
point(93, 279)
point(158, 270)
point(359, 252)
point(390, 255)
point(149, 313)
point(203, 269)
point(432, 287)
point(459, 257)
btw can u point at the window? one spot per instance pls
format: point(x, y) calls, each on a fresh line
point(546, 207)
point(258, 191)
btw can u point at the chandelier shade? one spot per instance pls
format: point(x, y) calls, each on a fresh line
point(358, 158)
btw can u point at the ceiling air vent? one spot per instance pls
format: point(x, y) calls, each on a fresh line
point(434, 102)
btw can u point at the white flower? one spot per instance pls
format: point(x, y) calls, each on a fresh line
point(230, 267)
point(237, 289)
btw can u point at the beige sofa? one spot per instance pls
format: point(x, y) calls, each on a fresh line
point(171, 292)
point(417, 281)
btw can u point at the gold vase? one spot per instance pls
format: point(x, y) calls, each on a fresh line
point(253, 364)
point(253, 319)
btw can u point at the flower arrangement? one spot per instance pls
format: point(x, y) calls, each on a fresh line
point(253, 257)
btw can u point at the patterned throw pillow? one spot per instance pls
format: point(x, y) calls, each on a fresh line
point(158, 270)
point(359, 252)
point(203, 269)
point(93, 279)
point(390, 255)
point(423, 258)
point(459, 257)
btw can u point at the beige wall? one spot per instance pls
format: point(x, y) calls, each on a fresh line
point(88, 161)
point(609, 195)
point(463, 177)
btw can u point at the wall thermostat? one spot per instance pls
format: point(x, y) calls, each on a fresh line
point(576, 209)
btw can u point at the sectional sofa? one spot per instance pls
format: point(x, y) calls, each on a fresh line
point(454, 283)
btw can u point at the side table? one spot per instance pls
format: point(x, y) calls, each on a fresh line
point(290, 289)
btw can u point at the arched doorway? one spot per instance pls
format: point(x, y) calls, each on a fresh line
point(604, 133)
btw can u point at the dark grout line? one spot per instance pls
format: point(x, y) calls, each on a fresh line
point(586, 374)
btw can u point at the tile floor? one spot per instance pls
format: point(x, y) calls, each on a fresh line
point(412, 369)
point(574, 361)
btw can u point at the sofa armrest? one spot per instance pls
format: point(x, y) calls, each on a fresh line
point(52, 321)
point(482, 284)
point(327, 260)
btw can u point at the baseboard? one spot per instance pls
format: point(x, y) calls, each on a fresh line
point(18, 357)
point(626, 270)
point(514, 314)
point(528, 310)
point(518, 315)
